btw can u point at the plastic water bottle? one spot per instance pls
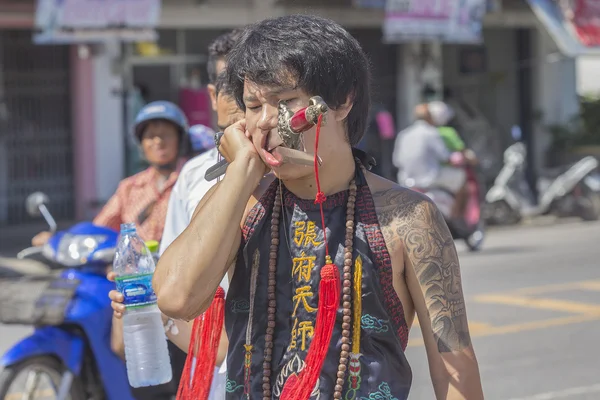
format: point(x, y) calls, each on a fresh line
point(146, 351)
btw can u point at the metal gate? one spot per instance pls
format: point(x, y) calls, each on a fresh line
point(35, 126)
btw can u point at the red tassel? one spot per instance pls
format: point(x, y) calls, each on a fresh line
point(204, 345)
point(301, 387)
point(185, 385)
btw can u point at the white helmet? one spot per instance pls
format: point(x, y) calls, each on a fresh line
point(441, 113)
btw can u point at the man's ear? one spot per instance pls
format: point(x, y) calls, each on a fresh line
point(343, 110)
point(212, 91)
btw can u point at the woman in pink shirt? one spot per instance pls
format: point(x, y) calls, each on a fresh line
point(161, 129)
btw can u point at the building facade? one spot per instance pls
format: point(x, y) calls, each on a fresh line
point(516, 77)
point(36, 130)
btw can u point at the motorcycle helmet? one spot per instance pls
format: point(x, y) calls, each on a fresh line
point(441, 113)
point(166, 111)
point(202, 138)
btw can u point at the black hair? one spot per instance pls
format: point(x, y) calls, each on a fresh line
point(219, 49)
point(318, 54)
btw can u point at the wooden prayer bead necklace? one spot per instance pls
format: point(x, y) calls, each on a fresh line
point(347, 292)
point(272, 308)
point(346, 285)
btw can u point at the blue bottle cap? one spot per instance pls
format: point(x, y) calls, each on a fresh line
point(128, 228)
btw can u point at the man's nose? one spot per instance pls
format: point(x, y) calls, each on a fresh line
point(268, 118)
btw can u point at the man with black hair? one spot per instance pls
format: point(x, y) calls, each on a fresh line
point(191, 185)
point(324, 311)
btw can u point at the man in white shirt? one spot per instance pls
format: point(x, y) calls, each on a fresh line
point(421, 156)
point(191, 186)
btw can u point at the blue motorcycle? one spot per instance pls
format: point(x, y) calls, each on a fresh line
point(69, 351)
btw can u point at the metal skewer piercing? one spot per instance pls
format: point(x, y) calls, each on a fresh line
point(288, 141)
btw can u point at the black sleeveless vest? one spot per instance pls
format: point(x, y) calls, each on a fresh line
point(383, 371)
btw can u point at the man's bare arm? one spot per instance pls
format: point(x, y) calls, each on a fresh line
point(417, 229)
point(190, 270)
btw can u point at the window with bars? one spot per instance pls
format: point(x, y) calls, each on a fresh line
point(35, 126)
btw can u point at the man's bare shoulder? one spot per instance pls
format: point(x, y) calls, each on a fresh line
point(398, 209)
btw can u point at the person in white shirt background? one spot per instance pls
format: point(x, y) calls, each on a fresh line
point(191, 185)
point(187, 193)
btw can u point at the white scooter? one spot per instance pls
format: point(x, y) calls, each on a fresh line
point(574, 191)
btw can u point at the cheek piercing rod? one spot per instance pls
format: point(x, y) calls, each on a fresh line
point(290, 127)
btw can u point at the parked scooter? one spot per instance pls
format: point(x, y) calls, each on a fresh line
point(568, 191)
point(69, 351)
point(471, 227)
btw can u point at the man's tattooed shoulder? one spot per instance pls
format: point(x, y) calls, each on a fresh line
point(397, 208)
point(412, 220)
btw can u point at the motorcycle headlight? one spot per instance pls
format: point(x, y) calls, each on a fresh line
point(74, 250)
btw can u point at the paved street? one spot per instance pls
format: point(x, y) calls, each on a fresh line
point(533, 299)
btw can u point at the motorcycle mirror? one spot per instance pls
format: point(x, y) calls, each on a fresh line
point(33, 203)
point(36, 206)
